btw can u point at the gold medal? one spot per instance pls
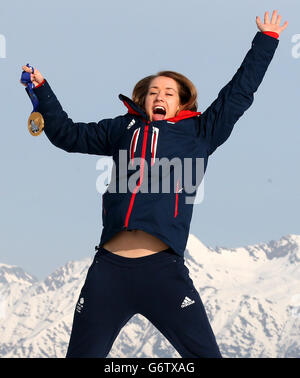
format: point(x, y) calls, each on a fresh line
point(35, 123)
point(35, 120)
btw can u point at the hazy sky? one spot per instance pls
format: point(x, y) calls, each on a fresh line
point(93, 50)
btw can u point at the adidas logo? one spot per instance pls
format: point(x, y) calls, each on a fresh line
point(79, 305)
point(186, 302)
point(131, 124)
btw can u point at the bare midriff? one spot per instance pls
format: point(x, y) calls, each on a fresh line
point(134, 243)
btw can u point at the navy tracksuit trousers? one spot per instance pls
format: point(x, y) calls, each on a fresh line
point(156, 286)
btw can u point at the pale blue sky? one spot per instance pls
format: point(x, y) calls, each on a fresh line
point(93, 50)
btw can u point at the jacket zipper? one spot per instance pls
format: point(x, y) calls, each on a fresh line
point(176, 200)
point(145, 136)
point(104, 210)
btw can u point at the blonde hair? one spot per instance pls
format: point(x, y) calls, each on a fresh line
point(187, 90)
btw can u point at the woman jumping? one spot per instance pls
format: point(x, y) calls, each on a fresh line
point(139, 265)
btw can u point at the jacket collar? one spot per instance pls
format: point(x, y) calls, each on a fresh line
point(136, 110)
point(132, 107)
point(183, 115)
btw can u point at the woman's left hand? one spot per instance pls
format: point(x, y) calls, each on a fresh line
point(273, 26)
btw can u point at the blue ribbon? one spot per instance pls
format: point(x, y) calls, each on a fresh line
point(25, 79)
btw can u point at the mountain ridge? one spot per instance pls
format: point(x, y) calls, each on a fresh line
point(251, 295)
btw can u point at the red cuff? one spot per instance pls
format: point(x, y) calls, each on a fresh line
point(271, 34)
point(40, 84)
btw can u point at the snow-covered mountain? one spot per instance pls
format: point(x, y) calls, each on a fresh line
point(251, 294)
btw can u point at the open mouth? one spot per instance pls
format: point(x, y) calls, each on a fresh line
point(159, 113)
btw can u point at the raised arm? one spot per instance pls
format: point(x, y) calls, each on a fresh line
point(217, 121)
point(98, 138)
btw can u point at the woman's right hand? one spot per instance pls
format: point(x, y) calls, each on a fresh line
point(36, 77)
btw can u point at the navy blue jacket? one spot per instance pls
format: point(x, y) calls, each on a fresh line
point(166, 215)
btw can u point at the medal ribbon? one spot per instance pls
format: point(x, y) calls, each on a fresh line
point(35, 120)
point(25, 78)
